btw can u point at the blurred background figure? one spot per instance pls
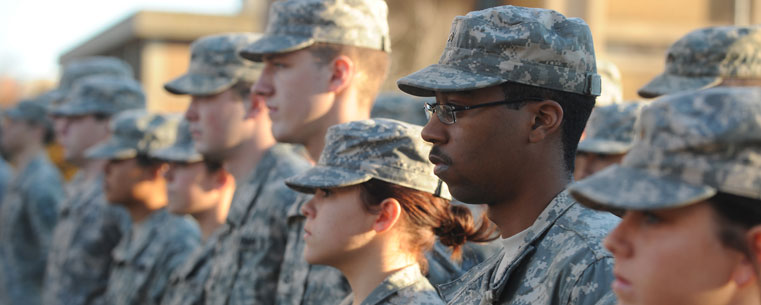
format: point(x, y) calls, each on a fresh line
point(74, 72)
point(610, 86)
point(709, 57)
point(31, 201)
point(88, 226)
point(230, 125)
point(399, 106)
point(202, 189)
point(158, 241)
point(609, 136)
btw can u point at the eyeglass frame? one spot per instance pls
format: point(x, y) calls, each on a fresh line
point(430, 108)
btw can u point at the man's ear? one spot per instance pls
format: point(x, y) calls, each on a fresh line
point(221, 178)
point(343, 70)
point(547, 119)
point(746, 271)
point(390, 210)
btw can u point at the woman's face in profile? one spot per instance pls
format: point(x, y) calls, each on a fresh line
point(673, 256)
point(338, 227)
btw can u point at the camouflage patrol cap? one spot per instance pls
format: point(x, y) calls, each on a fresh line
point(383, 149)
point(693, 145)
point(531, 46)
point(79, 69)
point(182, 150)
point(610, 84)
point(33, 110)
point(215, 65)
point(610, 129)
point(297, 24)
point(136, 132)
point(400, 107)
point(704, 57)
point(101, 95)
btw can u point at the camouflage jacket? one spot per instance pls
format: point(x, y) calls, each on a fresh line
point(147, 255)
point(561, 261)
point(27, 218)
point(186, 283)
point(6, 174)
point(88, 230)
point(246, 260)
point(301, 283)
point(406, 286)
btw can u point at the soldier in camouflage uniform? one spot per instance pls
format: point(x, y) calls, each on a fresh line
point(399, 106)
point(690, 190)
point(384, 160)
point(708, 57)
point(311, 42)
point(6, 172)
point(535, 71)
point(79, 69)
point(245, 262)
point(610, 84)
point(158, 241)
point(204, 190)
point(88, 226)
point(28, 210)
point(609, 136)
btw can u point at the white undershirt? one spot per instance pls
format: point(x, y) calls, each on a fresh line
point(511, 247)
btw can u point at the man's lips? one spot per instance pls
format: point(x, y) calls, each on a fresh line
point(440, 161)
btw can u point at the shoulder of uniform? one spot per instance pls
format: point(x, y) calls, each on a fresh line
point(582, 229)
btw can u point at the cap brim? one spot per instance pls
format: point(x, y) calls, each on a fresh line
point(275, 44)
point(443, 78)
point(603, 146)
point(176, 154)
point(69, 109)
point(669, 83)
point(622, 188)
point(199, 84)
point(325, 177)
point(110, 150)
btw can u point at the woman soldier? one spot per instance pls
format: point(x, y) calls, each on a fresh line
point(377, 209)
point(690, 191)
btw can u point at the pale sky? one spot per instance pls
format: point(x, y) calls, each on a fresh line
point(34, 33)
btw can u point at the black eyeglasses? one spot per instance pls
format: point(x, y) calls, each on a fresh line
point(446, 113)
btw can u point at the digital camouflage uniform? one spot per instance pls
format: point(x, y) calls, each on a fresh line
point(406, 286)
point(27, 216)
point(705, 57)
point(187, 281)
point(248, 256)
point(387, 150)
point(560, 259)
point(88, 226)
point(610, 129)
point(243, 264)
point(693, 145)
point(147, 254)
point(294, 25)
